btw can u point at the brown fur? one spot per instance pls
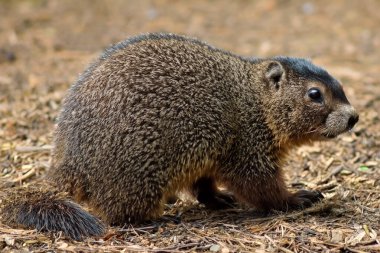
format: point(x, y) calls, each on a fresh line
point(161, 113)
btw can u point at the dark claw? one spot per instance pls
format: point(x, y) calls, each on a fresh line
point(221, 200)
point(304, 199)
point(313, 196)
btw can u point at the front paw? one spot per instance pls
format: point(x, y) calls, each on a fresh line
point(303, 199)
point(221, 200)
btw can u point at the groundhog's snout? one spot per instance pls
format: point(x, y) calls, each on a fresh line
point(341, 120)
point(354, 118)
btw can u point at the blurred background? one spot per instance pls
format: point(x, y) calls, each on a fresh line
point(44, 45)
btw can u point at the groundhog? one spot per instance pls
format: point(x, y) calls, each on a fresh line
point(161, 113)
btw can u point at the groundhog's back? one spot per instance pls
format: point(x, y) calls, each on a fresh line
point(146, 111)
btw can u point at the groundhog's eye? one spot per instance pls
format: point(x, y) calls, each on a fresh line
point(315, 94)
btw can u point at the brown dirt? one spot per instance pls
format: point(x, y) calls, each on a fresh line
point(44, 45)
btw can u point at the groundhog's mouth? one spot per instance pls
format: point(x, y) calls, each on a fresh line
point(329, 135)
point(332, 134)
point(318, 134)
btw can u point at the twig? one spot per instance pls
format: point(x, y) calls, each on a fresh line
point(322, 207)
point(353, 250)
point(334, 172)
point(284, 249)
point(26, 149)
point(27, 175)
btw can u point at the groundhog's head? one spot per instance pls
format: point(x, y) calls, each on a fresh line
point(304, 101)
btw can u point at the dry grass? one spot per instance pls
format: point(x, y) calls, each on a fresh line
point(45, 44)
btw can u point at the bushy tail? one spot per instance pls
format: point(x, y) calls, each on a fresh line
point(44, 208)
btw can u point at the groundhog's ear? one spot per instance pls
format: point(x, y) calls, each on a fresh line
point(274, 73)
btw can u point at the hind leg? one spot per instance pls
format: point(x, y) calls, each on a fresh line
point(207, 193)
point(123, 207)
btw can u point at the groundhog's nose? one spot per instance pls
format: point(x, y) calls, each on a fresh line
point(352, 120)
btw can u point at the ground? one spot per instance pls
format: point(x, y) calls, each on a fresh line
point(44, 45)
